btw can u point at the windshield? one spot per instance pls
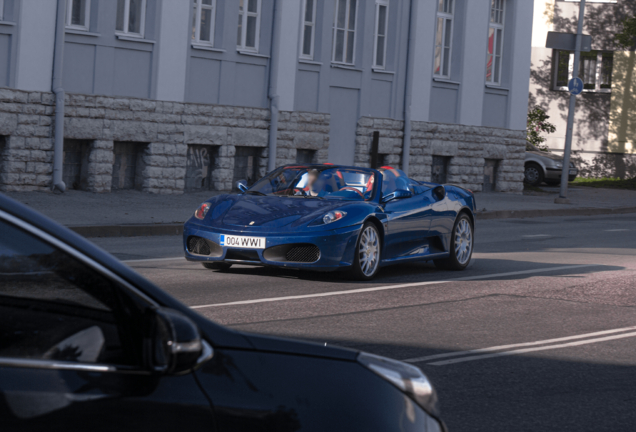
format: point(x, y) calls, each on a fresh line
point(317, 182)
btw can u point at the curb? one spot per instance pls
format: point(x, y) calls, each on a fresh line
point(518, 214)
point(146, 230)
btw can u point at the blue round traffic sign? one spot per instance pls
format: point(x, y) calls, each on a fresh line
point(575, 86)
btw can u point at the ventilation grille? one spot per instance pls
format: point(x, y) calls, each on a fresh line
point(305, 254)
point(199, 246)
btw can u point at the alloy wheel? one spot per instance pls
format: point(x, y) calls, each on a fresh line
point(369, 251)
point(463, 241)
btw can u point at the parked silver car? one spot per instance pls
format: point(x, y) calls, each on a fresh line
point(546, 167)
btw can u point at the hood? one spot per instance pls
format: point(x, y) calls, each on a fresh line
point(289, 346)
point(271, 211)
point(547, 155)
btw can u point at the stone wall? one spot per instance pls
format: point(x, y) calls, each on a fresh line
point(467, 147)
point(165, 129)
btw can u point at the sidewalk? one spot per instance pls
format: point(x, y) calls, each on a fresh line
point(133, 213)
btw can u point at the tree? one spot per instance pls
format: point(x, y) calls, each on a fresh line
point(625, 38)
point(538, 124)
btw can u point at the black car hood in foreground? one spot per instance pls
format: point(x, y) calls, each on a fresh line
point(218, 336)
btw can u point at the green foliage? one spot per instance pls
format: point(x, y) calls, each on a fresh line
point(606, 182)
point(625, 38)
point(537, 125)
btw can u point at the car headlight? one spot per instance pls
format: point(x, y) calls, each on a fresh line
point(558, 164)
point(202, 211)
point(333, 216)
point(410, 379)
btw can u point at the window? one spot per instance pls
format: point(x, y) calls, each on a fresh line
point(203, 21)
point(495, 42)
point(443, 38)
point(54, 307)
point(344, 31)
point(309, 29)
point(77, 14)
point(1, 9)
point(595, 70)
point(381, 24)
point(131, 17)
point(249, 25)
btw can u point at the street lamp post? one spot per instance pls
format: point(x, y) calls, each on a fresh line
point(565, 171)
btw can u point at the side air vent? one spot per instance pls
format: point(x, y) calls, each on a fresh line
point(304, 254)
point(201, 246)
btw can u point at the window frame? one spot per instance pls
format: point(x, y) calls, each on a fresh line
point(199, 6)
point(446, 16)
point(69, 13)
point(304, 24)
point(346, 30)
point(599, 71)
point(376, 35)
point(244, 15)
point(1, 10)
point(496, 26)
point(126, 21)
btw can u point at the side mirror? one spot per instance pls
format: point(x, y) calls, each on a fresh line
point(175, 345)
point(398, 194)
point(242, 185)
point(439, 193)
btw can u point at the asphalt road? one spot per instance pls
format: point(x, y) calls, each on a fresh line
point(549, 303)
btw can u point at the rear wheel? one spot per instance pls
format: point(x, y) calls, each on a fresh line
point(533, 174)
point(217, 266)
point(461, 247)
point(366, 261)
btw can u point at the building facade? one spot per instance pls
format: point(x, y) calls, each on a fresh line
point(604, 141)
point(169, 96)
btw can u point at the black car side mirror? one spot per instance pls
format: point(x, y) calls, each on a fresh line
point(242, 185)
point(400, 193)
point(175, 344)
point(439, 193)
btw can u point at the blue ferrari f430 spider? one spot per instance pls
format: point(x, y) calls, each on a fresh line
point(330, 217)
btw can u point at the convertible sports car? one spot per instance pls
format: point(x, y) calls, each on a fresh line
point(329, 217)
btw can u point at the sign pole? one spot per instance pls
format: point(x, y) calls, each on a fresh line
point(574, 90)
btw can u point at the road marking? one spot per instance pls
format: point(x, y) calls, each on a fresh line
point(536, 235)
point(392, 287)
point(617, 230)
point(153, 259)
point(527, 350)
point(502, 347)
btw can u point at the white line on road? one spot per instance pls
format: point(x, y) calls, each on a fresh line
point(392, 287)
point(502, 347)
point(617, 230)
point(154, 259)
point(527, 350)
point(536, 235)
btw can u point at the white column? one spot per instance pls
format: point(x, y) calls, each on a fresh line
point(521, 31)
point(172, 47)
point(473, 78)
point(36, 39)
point(424, 46)
point(288, 53)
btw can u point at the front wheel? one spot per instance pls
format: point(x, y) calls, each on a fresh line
point(461, 248)
point(217, 266)
point(533, 174)
point(366, 261)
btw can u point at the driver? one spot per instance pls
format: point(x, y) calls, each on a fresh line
point(311, 188)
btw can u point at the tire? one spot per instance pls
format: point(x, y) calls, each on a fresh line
point(217, 266)
point(366, 260)
point(460, 255)
point(533, 174)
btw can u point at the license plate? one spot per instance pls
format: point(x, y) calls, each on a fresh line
point(243, 242)
point(572, 172)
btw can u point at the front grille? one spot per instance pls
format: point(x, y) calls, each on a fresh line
point(197, 245)
point(305, 254)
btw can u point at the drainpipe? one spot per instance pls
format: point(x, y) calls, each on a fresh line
point(406, 147)
point(273, 85)
point(58, 67)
